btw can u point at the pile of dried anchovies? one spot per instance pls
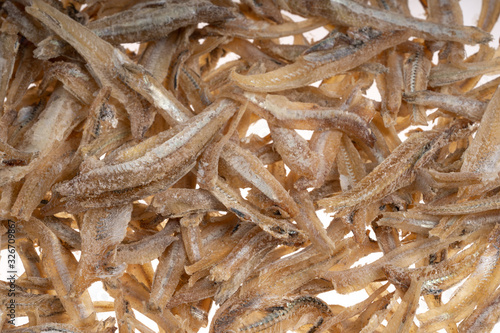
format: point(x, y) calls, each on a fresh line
point(114, 160)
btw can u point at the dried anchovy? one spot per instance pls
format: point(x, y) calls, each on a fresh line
point(142, 168)
point(282, 313)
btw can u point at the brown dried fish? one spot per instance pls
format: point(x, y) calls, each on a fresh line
point(181, 179)
point(394, 172)
point(153, 22)
point(317, 64)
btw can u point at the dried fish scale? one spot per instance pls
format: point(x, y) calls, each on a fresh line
point(142, 170)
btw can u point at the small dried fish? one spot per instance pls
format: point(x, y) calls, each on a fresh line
point(154, 163)
point(490, 11)
point(281, 313)
point(394, 172)
point(304, 116)
point(481, 155)
point(179, 178)
point(178, 202)
point(54, 124)
point(242, 27)
point(352, 13)
point(314, 65)
point(8, 51)
point(446, 74)
point(469, 108)
point(416, 72)
point(170, 269)
point(150, 23)
point(101, 231)
point(392, 87)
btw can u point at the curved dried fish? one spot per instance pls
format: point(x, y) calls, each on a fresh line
point(181, 149)
point(352, 13)
point(308, 69)
point(149, 23)
point(396, 171)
